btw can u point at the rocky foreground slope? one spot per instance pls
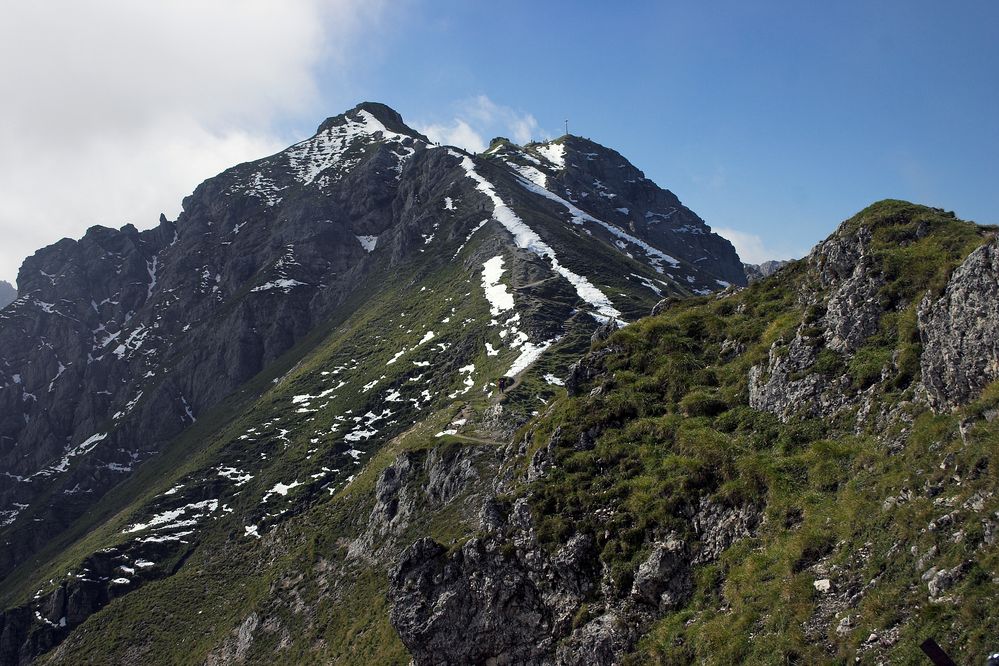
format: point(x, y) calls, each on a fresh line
point(194, 400)
point(800, 471)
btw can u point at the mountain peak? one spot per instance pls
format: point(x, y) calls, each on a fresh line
point(382, 113)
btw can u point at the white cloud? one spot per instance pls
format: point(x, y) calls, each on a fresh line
point(114, 110)
point(457, 133)
point(480, 117)
point(753, 249)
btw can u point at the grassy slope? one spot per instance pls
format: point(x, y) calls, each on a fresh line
point(678, 426)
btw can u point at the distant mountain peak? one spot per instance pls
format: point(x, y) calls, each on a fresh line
point(380, 114)
point(7, 293)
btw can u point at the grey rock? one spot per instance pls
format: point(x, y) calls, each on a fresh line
point(502, 598)
point(467, 607)
point(718, 527)
point(756, 272)
point(846, 267)
point(587, 369)
point(393, 507)
point(604, 331)
point(600, 641)
point(960, 348)
point(664, 579)
point(938, 582)
point(662, 306)
point(409, 488)
point(449, 473)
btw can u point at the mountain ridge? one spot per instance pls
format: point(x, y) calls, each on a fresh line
point(124, 343)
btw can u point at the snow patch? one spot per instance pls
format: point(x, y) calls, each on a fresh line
point(500, 300)
point(526, 238)
point(554, 153)
point(284, 284)
point(530, 353)
point(367, 242)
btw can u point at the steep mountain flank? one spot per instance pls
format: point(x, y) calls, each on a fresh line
point(183, 407)
point(788, 472)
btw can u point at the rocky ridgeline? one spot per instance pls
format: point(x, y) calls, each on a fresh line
point(502, 597)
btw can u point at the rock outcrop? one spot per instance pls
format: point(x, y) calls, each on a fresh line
point(756, 272)
point(958, 331)
point(503, 598)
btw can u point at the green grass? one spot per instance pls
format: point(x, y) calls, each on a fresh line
point(675, 426)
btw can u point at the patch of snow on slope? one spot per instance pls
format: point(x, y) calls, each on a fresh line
point(529, 353)
point(530, 173)
point(280, 489)
point(367, 242)
point(313, 156)
point(283, 283)
point(80, 449)
point(526, 238)
point(237, 476)
point(656, 256)
point(168, 519)
point(554, 153)
point(500, 300)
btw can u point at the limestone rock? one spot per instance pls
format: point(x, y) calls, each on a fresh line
point(958, 331)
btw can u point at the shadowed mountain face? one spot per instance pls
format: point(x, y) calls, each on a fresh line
point(405, 276)
point(7, 294)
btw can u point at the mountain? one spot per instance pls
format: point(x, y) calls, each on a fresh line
point(765, 269)
point(7, 294)
point(208, 402)
point(371, 400)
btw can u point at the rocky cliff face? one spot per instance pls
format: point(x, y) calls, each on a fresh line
point(523, 604)
point(961, 352)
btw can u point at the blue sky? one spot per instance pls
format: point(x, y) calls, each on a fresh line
point(772, 120)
